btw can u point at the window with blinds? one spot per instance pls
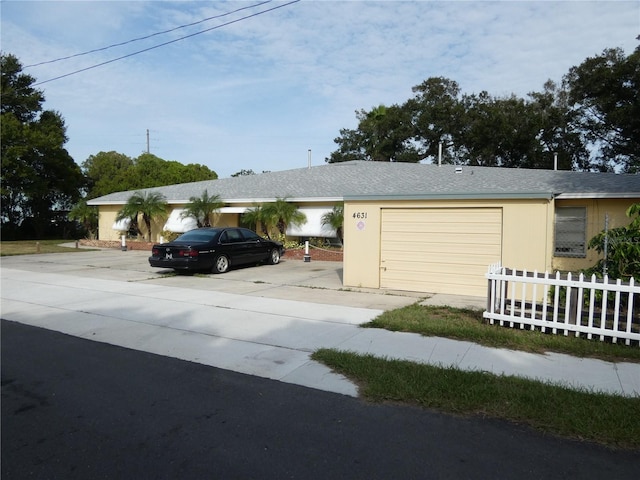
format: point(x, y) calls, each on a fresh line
point(570, 232)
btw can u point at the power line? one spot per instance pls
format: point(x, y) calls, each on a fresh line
point(147, 36)
point(164, 44)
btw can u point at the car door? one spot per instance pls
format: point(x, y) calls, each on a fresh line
point(232, 244)
point(257, 250)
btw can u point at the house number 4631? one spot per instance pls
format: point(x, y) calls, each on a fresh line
point(360, 215)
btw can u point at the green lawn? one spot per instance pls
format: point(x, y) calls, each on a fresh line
point(469, 325)
point(600, 418)
point(606, 419)
point(28, 247)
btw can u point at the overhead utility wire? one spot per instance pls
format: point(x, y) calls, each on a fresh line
point(163, 44)
point(147, 36)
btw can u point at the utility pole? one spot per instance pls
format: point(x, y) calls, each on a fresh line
point(147, 140)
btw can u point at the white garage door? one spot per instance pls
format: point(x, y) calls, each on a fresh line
point(439, 250)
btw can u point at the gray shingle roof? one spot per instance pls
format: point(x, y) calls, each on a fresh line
point(360, 179)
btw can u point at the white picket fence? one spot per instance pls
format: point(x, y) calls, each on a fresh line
point(562, 303)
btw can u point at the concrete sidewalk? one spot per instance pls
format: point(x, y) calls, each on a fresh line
point(263, 321)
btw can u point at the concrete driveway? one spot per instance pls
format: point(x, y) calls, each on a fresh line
point(263, 320)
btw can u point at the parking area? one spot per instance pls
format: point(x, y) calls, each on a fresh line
point(292, 279)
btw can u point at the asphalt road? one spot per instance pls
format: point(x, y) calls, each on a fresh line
point(77, 409)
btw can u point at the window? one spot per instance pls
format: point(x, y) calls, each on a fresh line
point(231, 236)
point(570, 232)
point(250, 236)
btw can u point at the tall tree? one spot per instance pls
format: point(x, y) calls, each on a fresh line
point(383, 135)
point(475, 129)
point(203, 208)
point(603, 90)
point(39, 177)
point(106, 172)
point(558, 134)
point(151, 205)
point(437, 113)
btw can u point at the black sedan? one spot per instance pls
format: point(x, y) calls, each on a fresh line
point(215, 249)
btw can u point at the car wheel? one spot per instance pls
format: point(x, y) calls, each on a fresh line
point(274, 257)
point(220, 264)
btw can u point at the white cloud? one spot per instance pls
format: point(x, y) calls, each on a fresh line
point(257, 94)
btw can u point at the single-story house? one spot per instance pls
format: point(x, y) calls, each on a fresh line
point(427, 228)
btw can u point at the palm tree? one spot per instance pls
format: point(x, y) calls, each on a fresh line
point(203, 208)
point(86, 215)
point(151, 205)
point(284, 214)
point(335, 219)
point(258, 215)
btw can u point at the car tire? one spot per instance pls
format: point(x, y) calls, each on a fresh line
point(220, 264)
point(274, 257)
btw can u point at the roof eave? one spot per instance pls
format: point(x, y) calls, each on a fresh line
point(570, 196)
point(453, 196)
point(97, 202)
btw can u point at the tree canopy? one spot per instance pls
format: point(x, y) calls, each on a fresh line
point(39, 177)
point(109, 172)
point(591, 121)
point(604, 91)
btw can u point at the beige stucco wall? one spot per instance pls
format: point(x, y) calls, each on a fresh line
point(106, 220)
point(108, 215)
point(597, 209)
point(527, 236)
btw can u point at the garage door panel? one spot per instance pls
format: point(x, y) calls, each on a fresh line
point(411, 261)
point(423, 228)
point(445, 215)
point(441, 256)
point(444, 250)
point(467, 239)
point(444, 283)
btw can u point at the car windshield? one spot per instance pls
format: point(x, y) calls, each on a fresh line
point(198, 236)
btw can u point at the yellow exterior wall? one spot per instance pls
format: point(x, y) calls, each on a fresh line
point(361, 231)
point(227, 220)
point(108, 215)
point(597, 209)
point(106, 219)
point(527, 236)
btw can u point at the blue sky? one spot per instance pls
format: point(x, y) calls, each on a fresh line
point(261, 92)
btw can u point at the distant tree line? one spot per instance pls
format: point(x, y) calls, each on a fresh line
point(108, 172)
point(590, 121)
point(43, 190)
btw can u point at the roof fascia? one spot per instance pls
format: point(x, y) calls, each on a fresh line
point(570, 196)
point(231, 200)
point(444, 196)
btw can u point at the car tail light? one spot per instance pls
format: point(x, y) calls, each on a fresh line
point(191, 253)
point(155, 252)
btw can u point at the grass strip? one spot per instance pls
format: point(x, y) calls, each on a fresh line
point(579, 414)
point(30, 247)
point(468, 325)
